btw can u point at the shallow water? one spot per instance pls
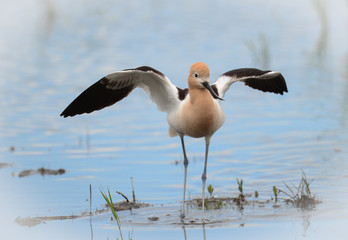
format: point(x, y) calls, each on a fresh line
point(52, 50)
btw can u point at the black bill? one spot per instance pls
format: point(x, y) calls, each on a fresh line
point(207, 86)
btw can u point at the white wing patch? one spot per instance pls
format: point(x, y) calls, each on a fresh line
point(267, 81)
point(159, 88)
point(223, 84)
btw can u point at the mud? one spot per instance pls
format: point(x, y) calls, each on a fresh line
point(41, 171)
point(122, 206)
point(33, 221)
point(3, 165)
point(168, 215)
point(216, 203)
point(119, 206)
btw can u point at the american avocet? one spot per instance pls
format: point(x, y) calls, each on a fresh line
point(193, 112)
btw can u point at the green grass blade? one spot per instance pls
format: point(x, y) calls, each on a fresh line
point(110, 203)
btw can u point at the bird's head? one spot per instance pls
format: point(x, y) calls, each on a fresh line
point(199, 78)
point(199, 73)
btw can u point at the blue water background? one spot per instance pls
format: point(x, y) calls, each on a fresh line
point(50, 51)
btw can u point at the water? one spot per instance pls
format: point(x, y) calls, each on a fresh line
point(52, 50)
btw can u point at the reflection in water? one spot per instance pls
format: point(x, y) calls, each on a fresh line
point(260, 51)
point(306, 222)
point(203, 228)
point(90, 224)
point(343, 120)
point(183, 228)
point(90, 209)
point(49, 18)
point(319, 55)
point(88, 141)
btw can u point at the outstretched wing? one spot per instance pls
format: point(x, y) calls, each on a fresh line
point(266, 81)
point(118, 85)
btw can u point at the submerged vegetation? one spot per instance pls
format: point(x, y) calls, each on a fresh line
point(298, 196)
point(210, 190)
point(120, 206)
point(240, 188)
point(276, 193)
point(214, 203)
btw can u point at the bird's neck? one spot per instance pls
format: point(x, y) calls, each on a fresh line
point(200, 96)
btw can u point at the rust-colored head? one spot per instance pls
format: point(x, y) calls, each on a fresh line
point(199, 78)
point(199, 73)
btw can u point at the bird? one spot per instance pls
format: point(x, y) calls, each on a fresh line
point(194, 111)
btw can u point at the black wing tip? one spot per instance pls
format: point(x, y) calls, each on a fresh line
point(95, 98)
point(265, 81)
point(65, 115)
point(283, 86)
point(69, 113)
point(75, 109)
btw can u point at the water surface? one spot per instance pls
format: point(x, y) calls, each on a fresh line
point(52, 50)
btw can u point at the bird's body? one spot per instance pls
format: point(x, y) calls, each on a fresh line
point(199, 114)
point(194, 112)
point(198, 118)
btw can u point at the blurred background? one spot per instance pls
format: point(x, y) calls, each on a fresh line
point(50, 51)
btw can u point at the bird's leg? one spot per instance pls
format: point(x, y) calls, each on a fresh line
point(204, 175)
point(182, 215)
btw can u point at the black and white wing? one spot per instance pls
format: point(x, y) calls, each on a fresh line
point(118, 85)
point(266, 81)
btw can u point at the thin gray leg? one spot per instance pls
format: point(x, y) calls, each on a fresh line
point(204, 175)
point(182, 215)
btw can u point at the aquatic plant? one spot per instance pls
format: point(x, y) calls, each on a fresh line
point(108, 199)
point(210, 190)
point(276, 193)
point(260, 51)
point(240, 188)
point(301, 195)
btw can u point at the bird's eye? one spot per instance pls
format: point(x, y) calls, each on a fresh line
point(196, 75)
